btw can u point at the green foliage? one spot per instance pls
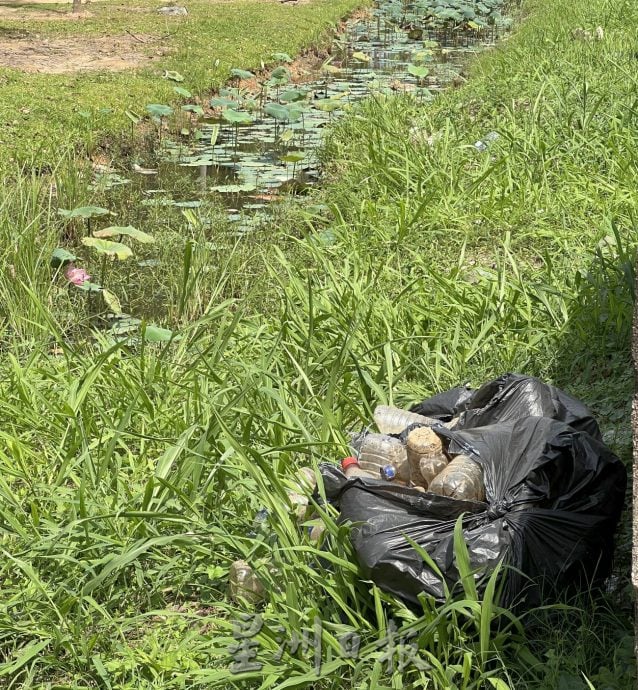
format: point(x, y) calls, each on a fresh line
point(418, 71)
point(241, 73)
point(125, 231)
point(51, 124)
point(237, 117)
point(159, 110)
point(134, 456)
point(61, 257)
point(114, 249)
point(83, 212)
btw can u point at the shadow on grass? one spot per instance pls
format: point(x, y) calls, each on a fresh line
point(594, 364)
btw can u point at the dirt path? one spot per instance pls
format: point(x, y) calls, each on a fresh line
point(64, 55)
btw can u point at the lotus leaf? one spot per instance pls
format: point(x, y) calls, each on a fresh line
point(159, 110)
point(182, 92)
point(237, 117)
point(111, 301)
point(241, 73)
point(115, 249)
point(85, 212)
point(128, 230)
point(62, 257)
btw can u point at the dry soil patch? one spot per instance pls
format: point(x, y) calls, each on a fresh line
point(63, 55)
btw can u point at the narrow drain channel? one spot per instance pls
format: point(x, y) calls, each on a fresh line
point(260, 145)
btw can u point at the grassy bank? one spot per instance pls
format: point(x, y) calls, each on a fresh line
point(45, 115)
point(130, 473)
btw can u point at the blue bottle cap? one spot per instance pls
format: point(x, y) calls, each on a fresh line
point(388, 472)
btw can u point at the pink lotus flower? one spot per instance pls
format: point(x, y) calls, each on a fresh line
point(77, 276)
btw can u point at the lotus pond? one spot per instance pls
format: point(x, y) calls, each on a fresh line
point(255, 145)
point(256, 141)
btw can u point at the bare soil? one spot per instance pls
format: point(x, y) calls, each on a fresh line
point(64, 55)
point(61, 10)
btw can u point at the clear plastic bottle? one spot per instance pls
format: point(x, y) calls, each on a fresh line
point(243, 583)
point(301, 487)
point(352, 468)
point(430, 467)
point(307, 479)
point(316, 531)
point(462, 478)
point(375, 451)
point(299, 504)
point(425, 456)
point(392, 420)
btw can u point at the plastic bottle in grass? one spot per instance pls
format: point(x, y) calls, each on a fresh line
point(375, 451)
point(302, 486)
point(425, 456)
point(316, 530)
point(462, 478)
point(307, 479)
point(299, 504)
point(392, 420)
point(243, 583)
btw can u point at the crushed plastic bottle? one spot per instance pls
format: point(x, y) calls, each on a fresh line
point(462, 478)
point(483, 144)
point(301, 487)
point(431, 467)
point(392, 420)
point(243, 583)
point(425, 456)
point(259, 528)
point(375, 451)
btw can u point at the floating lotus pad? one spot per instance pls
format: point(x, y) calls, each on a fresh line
point(273, 139)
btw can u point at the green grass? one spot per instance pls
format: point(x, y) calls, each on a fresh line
point(130, 474)
point(44, 115)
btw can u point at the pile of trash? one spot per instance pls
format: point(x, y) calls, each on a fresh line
point(522, 462)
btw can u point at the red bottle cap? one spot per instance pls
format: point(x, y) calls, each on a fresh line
point(346, 462)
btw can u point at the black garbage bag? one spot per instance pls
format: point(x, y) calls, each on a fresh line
point(554, 494)
point(509, 397)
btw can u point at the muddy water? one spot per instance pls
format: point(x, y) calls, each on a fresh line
point(272, 156)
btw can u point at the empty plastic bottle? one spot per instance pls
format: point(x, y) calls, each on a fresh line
point(307, 479)
point(352, 468)
point(430, 467)
point(301, 487)
point(299, 504)
point(425, 456)
point(375, 451)
point(462, 478)
point(316, 531)
point(392, 420)
point(243, 583)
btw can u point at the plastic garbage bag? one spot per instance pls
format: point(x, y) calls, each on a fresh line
point(554, 494)
point(509, 397)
